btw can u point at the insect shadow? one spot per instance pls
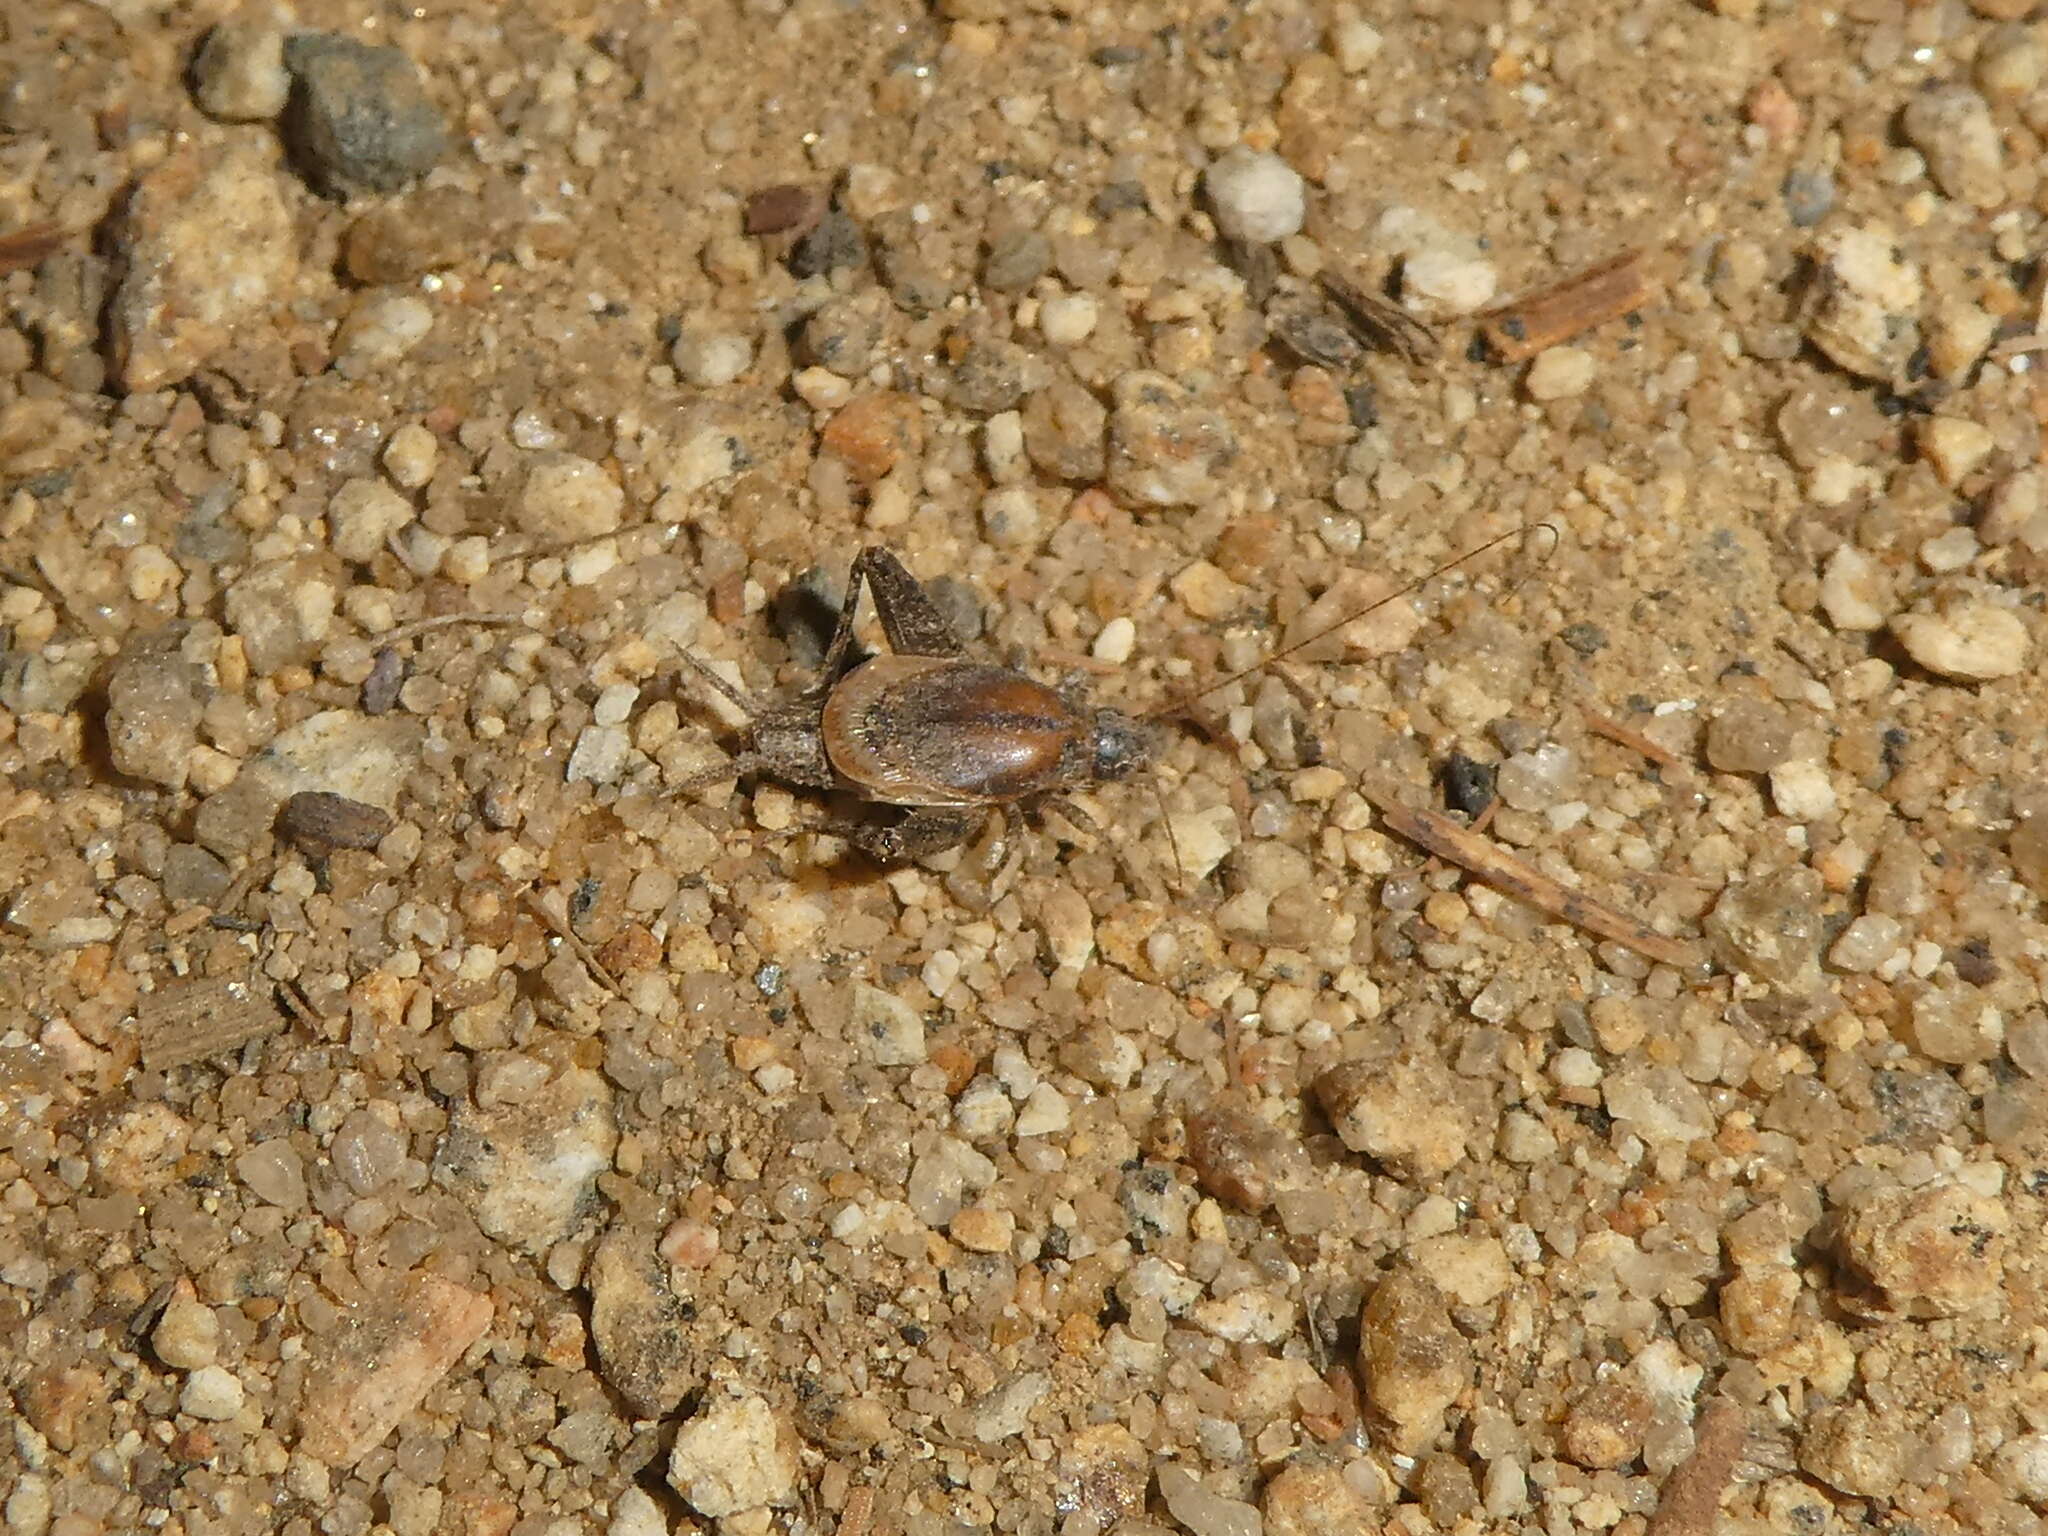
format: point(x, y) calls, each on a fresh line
point(938, 741)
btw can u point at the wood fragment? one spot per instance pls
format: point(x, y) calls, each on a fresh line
point(189, 1020)
point(26, 247)
point(1567, 308)
point(1628, 736)
point(1486, 859)
point(1690, 1503)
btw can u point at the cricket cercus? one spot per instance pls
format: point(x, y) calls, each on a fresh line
point(945, 738)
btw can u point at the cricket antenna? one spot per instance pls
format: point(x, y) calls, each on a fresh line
point(1524, 533)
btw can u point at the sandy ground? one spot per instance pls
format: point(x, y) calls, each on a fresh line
point(432, 1100)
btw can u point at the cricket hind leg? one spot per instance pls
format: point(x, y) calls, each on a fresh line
point(923, 832)
point(910, 618)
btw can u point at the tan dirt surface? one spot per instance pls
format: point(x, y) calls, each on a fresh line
point(432, 1099)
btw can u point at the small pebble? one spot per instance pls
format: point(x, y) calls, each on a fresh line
point(379, 332)
point(1954, 446)
point(1770, 928)
point(1414, 1361)
point(1853, 590)
point(1934, 1251)
point(567, 498)
point(885, 1029)
point(711, 359)
point(359, 117)
point(212, 1392)
point(2018, 510)
point(1068, 319)
point(1256, 196)
point(1952, 126)
point(1749, 736)
point(239, 75)
point(1970, 639)
point(1866, 944)
point(187, 1336)
point(410, 456)
point(1802, 790)
point(1447, 283)
point(1356, 43)
point(1016, 259)
point(361, 516)
point(734, 1456)
point(1559, 373)
point(1949, 552)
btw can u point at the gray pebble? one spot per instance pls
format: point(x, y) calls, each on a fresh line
point(836, 242)
point(1017, 258)
point(1809, 195)
point(359, 118)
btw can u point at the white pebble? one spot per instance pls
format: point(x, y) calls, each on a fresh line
point(1974, 640)
point(1002, 447)
point(1256, 196)
point(468, 560)
point(615, 703)
point(1009, 516)
point(592, 563)
point(1803, 791)
point(1068, 319)
point(1950, 551)
point(361, 515)
point(709, 359)
point(212, 1392)
point(1114, 641)
point(567, 498)
point(599, 754)
point(410, 456)
point(1044, 1113)
point(379, 332)
point(1954, 445)
point(150, 573)
point(1866, 943)
point(530, 430)
point(1852, 590)
point(1355, 42)
point(1558, 373)
point(821, 389)
point(1448, 283)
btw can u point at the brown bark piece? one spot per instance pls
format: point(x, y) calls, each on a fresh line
point(1575, 304)
point(187, 1021)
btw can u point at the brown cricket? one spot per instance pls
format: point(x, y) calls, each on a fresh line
point(947, 739)
point(924, 727)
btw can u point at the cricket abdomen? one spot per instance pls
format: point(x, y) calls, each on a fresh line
point(930, 730)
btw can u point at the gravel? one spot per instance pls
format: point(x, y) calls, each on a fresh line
point(437, 1101)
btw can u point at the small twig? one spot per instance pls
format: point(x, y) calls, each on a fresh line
point(1633, 739)
point(1691, 1501)
point(1486, 859)
point(446, 621)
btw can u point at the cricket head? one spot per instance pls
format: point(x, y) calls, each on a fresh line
point(1119, 744)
